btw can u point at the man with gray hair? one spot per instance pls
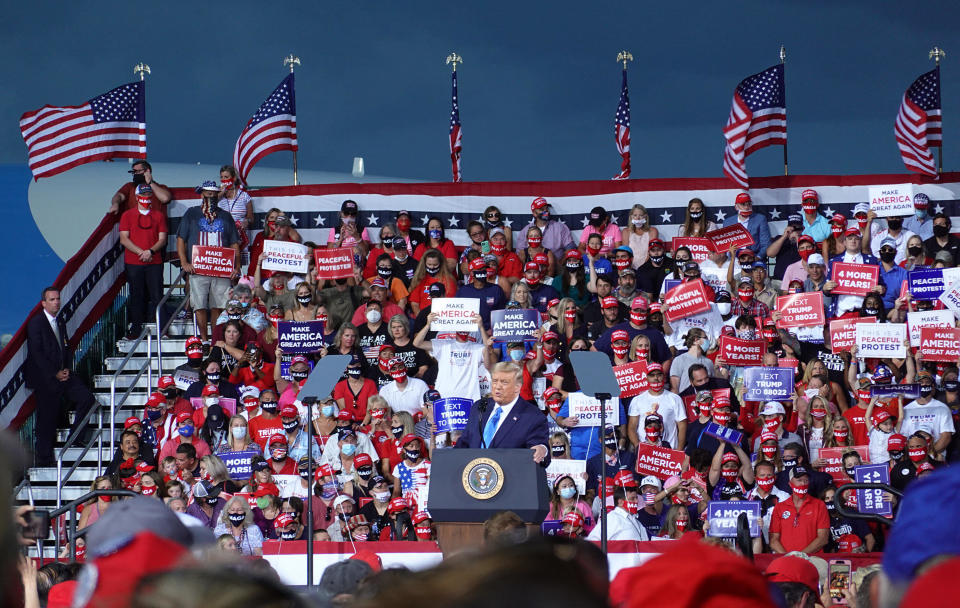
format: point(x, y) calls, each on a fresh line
point(504, 420)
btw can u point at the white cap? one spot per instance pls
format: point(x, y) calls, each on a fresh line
point(771, 408)
point(341, 499)
point(650, 480)
point(248, 391)
point(861, 208)
point(815, 258)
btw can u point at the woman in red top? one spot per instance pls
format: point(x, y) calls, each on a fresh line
point(353, 392)
point(432, 269)
point(270, 232)
point(436, 239)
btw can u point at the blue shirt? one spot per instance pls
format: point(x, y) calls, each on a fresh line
point(584, 440)
point(893, 279)
point(758, 229)
point(491, 298)
point(819, 229)
point(922, 229)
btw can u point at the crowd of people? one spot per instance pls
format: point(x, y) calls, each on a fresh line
point(376, 434)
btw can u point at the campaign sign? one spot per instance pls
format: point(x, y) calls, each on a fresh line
point(454, 314)
point(632, 378)
point(724, 514)
point(285, 256)
point(287, 484)
point(551, 527)
point(801, 310)
point(740, 352)
point(183, 378)
point(926, 283)
point(918, 319)
point(450, 414)
point(951, 298)
point(723, 433)
point(333, 263)
point(886, 201)
point(854, 279)
point(658, 461)
point(227, 404)
point(576, 469)
point(768, 383)
point(300, 336)
point(938, 344)
point(685, 300)
point(285, 367)
point(669, 284)
point(735, 235)
point(842, 333)
point(834, 458)
point(909, 391)
point(213, 261)
point(238, 464)
point(872, 501)
point(881, 340)
point(587, 409)
point(514, 325)
point(700, 248)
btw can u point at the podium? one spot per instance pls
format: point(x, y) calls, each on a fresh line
point(468, 486)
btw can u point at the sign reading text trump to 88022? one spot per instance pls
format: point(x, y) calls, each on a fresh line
point(587, 410)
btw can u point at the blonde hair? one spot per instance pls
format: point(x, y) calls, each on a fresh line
point(508, 367)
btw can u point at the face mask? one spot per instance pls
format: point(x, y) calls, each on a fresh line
point(288, 535)
point(573, 267)
point(638, 318)
point(655, 385)
point(239, 432)
point(327, 411)
point(185, 431)
point(373, 316)
point(849, 471)
point(926, 390)
point(917, 454)
point(534, 241)
point(424, 532)
point(643, 353)
point(532, 282)
point(381, 496)
point(403, 223)
point(568, 493)
point(800, 490)
point(789, 463)
point(705, 344)
point(940, 231)
point(348, 449)
point(516, 355)
point(914, 251)
point(745, 213)
point(328, 490)
point(721, 418)
point(729, 476)
point(836, 231)
point(806, 253)
point(951, 386)
point(639, 221)
point(696, 215)
point(270, 407)
point(829, 505)
point(621, 264)
point(434, 234)
point(894, 224)
point(412, 454)
point(298, 376)
point(631, 506)
point(768, 451)
point(610, 443)
point(772, 425)
point(681, 525)
point(723, 308)
point(354, 372)
point(745, 295)
point(213, 378)
point(432, 271)
point(153, 414)
point(236, 518)
point(657, 259)
point(840, 434)
point(765, 483)
point(365, 473)
point(399, 375)
point(545, 215)
point(888, 256)
point(211, 401)
point(653, 435)
point(234, 317)
point(818, 414)
point(593, 251)
point(896, 454)
point(480, 275)
point(747, 334)
point(278, 454)
point(557, 450)
point(291, 426)
point(148, 490)
point(397, 431)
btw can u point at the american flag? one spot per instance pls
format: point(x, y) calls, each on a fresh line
point(622, 130)
point(112, 125)
point(272, 128)
point(649, 498)
point(918, 126)
point(758, 118)
point(455, 144)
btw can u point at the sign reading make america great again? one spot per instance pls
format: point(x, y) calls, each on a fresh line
point(515, 325)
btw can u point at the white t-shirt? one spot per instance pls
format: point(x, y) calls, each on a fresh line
point(668, 405)
point(933, 416)
point(458, 368)
point(409, 400)
point(815, 442)
point(878, 446)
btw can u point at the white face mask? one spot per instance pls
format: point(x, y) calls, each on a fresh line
point(639, 221)
point(211, 401)
point(373, 316)
point(239, 432)
point(381, 496)
point(723, 308)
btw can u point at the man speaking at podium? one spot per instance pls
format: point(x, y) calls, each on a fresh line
point(505, 421)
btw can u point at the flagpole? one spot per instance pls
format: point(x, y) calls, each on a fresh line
point(292, 60)
point(936, 53)
point(142, 69)
point(783, 61)
point(454, 59)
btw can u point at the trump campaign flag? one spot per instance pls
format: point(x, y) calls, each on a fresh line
point(112, 125)
point(272, 128)
point(758, 118)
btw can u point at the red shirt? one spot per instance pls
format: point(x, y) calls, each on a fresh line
point(798, 527)
point(261, 429)
point(510, 265)
point(144, 231)
point(446, 249)
point(129, 192)
point(420, 293)
point(244, 375)
point(289, 467)
point(355, 404)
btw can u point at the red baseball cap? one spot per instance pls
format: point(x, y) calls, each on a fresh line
point(654, 367)
point(209, 389)
point(420, 516)
point(298, 359)
point(478, 264)
point(410, 437)
point(620, 334)
point(729, 457)
point(793, 569)
point(809, 194)
point(362, 460)
point(538, 203)
point(743, 197)
point(549, 335)
point(625, 479)
point(639, 302)
point(397, 505)
point(289, 411)
point(156, 400)
point(184, 416)
point(324, 470)
point(553, 302)
point(574, 519)
point(896, 442)
point(132, 420)
point(573, 253)
point(378, 282)
point(805, 238)
point(880, 416)
point(531, 266)
point(655, 307)
point(277, 438)
point(768, 436)
point(656, 243)
point(283, 520)
point(852, 231)
point(165, 382)
point(266, 489)
point(541, 259)
point(193, 347)
point(848, 542)
point(344, 415)
point(839, 218)
point(609, 302)
point(550, 393)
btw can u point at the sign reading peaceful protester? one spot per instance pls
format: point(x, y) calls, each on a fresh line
point(918, 319)
point(939, 344)
point(873, 501)
point(333, 263)
point(740, 352)
point(734, 235)
point(213, 261)
point(834, 459)
point(183, 378)
point(514, 325)
point(854, 279)
point(455, 314)
point(842, 332)
point(658, 461)
point(587, 409)
point(723, 516)
point(576, 469)
point(300, 336)
point(926, 283)
point(285, 256)
point(886, 201)
point(450, 414)
point(801, 310)
point(700, 248)
point(767, 383)
point(632, 378)
point(881, 340)
point(951, 298)
point(238, 464)
point(686, 299)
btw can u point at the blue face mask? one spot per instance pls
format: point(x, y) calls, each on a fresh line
point(706, 344)
point(568, 493)
point(153, 414)
point(185, 431)
point(434, 234)
point(921, 213)
point(327, 411)
point(348, 449)
point(516, 355)
point(244, 304)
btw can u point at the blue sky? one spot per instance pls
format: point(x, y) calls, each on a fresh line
point(539, 85)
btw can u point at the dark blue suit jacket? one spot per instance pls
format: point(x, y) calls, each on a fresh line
point(525, 427)
point(45, 354)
